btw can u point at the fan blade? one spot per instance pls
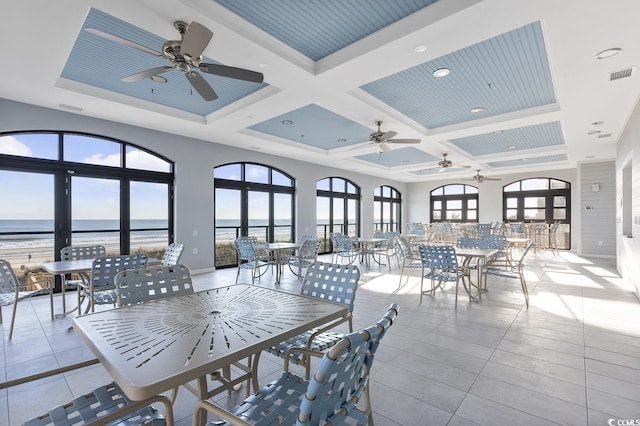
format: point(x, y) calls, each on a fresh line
point(488, 178)
point(413, 141)
point(232, 72)
point(122, 41)
point(146, 74)
point(388, 135)
point(195, 40)
point(384, 147)
point(201, 86)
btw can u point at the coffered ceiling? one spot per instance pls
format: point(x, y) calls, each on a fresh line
point(525, 89)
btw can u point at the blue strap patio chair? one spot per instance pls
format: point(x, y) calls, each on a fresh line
point(250, 258)
point(172, 254)
point(13, 291)
point(101, 289)
point(331, 282)
point(344, 249)
point(440, 263)
point(517, 272)
point(408, 258)
point(338, 393)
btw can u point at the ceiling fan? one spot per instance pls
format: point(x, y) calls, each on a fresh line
point(184, 55)
point(480, 178)
point(446, 164)
point(383, 139)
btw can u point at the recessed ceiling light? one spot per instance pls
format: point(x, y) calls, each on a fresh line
point(158, 79)
point(420, 48)
point(608, 53)
point(287, 122)
point(441, 72)
point(524, 159)
point(476, 109)
point(511, 147)
point(263, 66)
point(342, 140)
point(594, 132)
point(498, 132)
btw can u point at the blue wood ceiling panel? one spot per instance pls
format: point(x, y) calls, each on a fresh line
point(528, 161)
point(503, 74)
point(99, 62)
point(315, 126)
point(529, 137)
point(319, 28)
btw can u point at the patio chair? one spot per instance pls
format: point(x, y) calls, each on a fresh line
point(553, 237)
point(327, 281)
point(102, 289)
point(498, 229)
point(517, 272)
point(335, 394)
point(250, 258)
point(172, 254)
point(388, 249)
point(497, 242)
point(12, 291)
point(483, 229)
point(344, 249)
point(156, 282)
point(79, 252)
point(408, 258)
point(517, 230)
point(305, 256)
point(105, 405)
point(441, 264)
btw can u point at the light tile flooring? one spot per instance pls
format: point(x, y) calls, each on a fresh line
point(571, 358)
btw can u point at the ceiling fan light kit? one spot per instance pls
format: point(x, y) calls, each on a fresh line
point(185, 55)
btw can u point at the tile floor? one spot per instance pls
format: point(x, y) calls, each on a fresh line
point(571, 358)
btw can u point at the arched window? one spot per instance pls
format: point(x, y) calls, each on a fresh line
point(540, 200)
point(387, 204)
point(454, 203)
point(337, 209)
point(96, 190)
point(251, 199)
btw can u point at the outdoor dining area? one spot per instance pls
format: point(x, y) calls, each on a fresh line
point(271, 340)
point(153, 334)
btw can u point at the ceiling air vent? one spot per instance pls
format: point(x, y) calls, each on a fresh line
point(606, 135)
point(617, 75)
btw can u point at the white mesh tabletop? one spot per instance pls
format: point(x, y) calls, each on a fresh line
point(155, 346)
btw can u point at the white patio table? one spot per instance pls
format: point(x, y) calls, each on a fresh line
point(159, 345)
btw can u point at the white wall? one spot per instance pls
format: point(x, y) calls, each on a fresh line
point(598, 208)
point(195, 160)
point(628, 246)
point(490, 198)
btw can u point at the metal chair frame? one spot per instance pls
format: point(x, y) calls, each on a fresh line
point(330, 397)
point(12, 291)
point(249, 258)
point(102, 289)
point(331, 282)
point(442, 265)
point(517, 272)
point(408, 258)
point(172, 254)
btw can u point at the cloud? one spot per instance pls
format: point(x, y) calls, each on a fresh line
point(136, 159)
point(10, 145)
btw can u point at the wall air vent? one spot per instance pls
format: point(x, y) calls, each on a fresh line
point(617, 75)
